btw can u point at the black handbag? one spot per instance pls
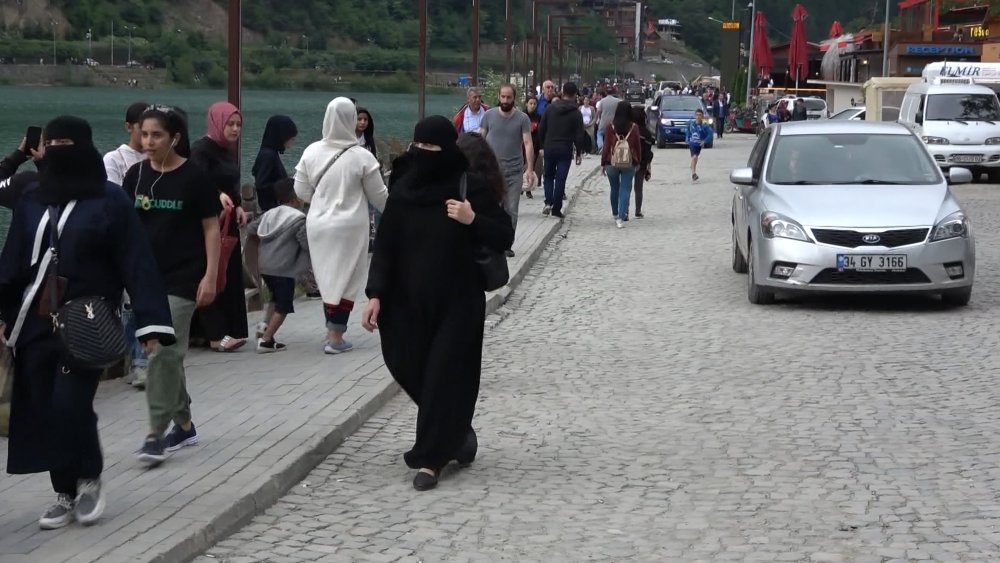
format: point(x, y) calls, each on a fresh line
point(492, 264)
point(89, 328)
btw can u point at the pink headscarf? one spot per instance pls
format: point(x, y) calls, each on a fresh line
point(218, 114)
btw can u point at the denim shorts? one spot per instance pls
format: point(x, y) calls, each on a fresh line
point(282, 293)
point(695, 148)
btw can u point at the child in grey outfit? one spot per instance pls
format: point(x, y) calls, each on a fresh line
point(283, 256)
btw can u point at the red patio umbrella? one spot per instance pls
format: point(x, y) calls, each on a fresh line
point(836, 30)
point(798, 54)
point(761, 49)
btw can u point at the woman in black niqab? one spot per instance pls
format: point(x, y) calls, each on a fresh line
point(426, 293)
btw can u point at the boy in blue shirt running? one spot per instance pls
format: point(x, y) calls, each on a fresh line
point(697, 133)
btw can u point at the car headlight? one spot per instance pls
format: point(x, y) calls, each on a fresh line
point(936, 140)
point(952, 226)
point(776, 225)
point(664, 122)
point(993, 141)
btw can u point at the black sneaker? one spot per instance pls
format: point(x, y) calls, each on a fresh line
point(313, 295)
point(152, 451)
point(558, 214)
point(529, 196)
point(59, 514)
point(89, 501)
point(269, 346)
point(508, 253)
point(178, 438)
point(639, 215)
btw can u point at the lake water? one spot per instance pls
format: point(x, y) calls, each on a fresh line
point(104, 108)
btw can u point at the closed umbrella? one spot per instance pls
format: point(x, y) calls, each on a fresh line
point(798, 54)
point(761, 48)
point(836, 30)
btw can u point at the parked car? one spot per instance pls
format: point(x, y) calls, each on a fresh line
point(848, 207)
point(669, 116)
point(815, 107)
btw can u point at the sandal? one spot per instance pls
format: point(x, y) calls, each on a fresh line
point(229, 344)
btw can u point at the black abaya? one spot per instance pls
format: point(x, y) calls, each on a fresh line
point(432, 302)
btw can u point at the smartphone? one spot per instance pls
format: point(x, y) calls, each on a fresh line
point(32, 139)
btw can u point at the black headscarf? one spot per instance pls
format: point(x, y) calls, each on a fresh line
point(369, 133)
point(69, 172)
point(277, 132)
point(430, 176)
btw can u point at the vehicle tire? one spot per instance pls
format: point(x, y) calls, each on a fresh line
point(957, 297)
point(994, 176)
point(739, 262)
point(729, 128)
point(755, 293)
point(660, 143)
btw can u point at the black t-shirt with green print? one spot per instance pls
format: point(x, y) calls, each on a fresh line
point(172, 207)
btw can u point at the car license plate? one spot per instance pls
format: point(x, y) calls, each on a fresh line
point(967, 158)
point(872, 262)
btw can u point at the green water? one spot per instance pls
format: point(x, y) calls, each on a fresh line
point(21, 106)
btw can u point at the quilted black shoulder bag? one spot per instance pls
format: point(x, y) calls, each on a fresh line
point(492, 264)
point(89, 328)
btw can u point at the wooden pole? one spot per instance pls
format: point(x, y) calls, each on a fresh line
point(235, 69)
point(422, 60)
point(509, 32)
point(475, 43)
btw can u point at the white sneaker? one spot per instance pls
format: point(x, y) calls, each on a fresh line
point(619, 223)
point(139, 381)
point(261, 327)
point(89, 501)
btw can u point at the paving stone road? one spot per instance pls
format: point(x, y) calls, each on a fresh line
point(635, 407)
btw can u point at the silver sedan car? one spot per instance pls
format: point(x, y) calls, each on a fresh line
point(849, 206)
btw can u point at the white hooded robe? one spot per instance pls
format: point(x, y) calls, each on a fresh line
point(337, 222)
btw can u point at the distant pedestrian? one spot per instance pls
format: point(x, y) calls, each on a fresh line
point(560, 130)
point(284, 255)
point(101, 250)
point(643, 173)
point(721, 113)
point(268, 169)
point(508, 132)
point(179, 208)
point(589, 114)
point(366, 138)
point(696, 133)
point(425, 289)
point(605, 113)
point(530, 107)
point(338, 178)
point(546, 96)
point(621, 156)
point(224, 322)
point(471, 114)
point(799, 112)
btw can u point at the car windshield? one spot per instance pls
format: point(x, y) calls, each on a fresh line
point(680, 103)
point(962, 107)
point(875, 159)
point(815, 105)
point(845, 114)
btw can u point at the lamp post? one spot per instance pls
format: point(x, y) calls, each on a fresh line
point(753, 13)
point(90, 44)
point(235, 59)
point(537, 45)
point(422, 58)
point(508, 42)
point(475, 43)
point(885, 43)
point(129, 28)
point(54, 24)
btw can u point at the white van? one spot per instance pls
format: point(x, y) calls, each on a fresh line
point(959, 122)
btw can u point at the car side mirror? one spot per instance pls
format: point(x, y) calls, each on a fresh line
point(742, 176)
point(959, 175)
point(920, 117)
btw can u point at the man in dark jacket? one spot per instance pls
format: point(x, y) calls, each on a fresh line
point(799, 113)
point(560, 130)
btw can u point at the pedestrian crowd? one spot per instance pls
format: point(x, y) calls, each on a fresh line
point(150, 239)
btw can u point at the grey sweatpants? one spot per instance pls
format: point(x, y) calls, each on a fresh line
point(513, 179)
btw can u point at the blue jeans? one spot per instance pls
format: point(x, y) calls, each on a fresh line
point(621, 188)
point(557, 163)
point(600, 139)
point(135, 350)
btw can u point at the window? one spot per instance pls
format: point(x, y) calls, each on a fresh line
point(851, 159)
point(962, 107)
point(756, 160)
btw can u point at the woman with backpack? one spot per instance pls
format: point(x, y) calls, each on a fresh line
point(620, 157)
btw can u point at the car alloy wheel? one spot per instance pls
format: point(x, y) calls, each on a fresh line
point(739, 262)
point(755, 293)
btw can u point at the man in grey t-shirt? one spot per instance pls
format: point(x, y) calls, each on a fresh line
point(508, 132)
point(605, 114)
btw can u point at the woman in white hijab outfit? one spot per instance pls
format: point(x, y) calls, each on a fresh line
point(339, 178)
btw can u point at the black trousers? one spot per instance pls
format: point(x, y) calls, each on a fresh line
point(53, 426)
point(637, 184)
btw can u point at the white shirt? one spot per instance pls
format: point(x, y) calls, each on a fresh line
point(471, 121)
point(588, 114)
point(118, 161)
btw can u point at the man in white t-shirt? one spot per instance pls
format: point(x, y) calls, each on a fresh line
point(118, 161)
point(468, 119)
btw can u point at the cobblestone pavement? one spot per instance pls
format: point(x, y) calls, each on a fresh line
point(635, 406)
